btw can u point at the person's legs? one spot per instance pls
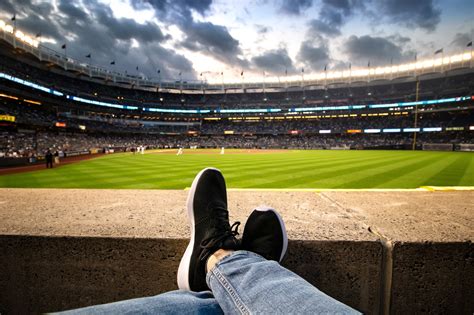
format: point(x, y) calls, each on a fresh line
point(246, 283)
point(243, 281)
point(174, 302)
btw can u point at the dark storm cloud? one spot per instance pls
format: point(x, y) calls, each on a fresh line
point(274, 61)
point(203, 37)
point(320, 27)
point(410, 13)
point(180, 9)
point(92, 28)
point(462, 39)
point(71, 11)
point(333, 14)
point(377, 50)
point(126, 29)
point(295, 7)
point(213, 40)
point(314, 55)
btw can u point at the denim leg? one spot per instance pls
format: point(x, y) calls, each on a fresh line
point(247, 283)
point(174, 302)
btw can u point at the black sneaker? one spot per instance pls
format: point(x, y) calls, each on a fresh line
point(210, 228)
point(265, 234)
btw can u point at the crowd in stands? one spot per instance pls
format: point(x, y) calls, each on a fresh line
point(360, 93)
point(89, 127)
point(27, 144)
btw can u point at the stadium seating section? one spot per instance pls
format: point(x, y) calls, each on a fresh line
point(70, 112)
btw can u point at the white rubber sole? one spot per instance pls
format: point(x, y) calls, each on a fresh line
point(183, 269)
point(283, 228)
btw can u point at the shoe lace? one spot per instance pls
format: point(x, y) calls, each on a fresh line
point(221, 233)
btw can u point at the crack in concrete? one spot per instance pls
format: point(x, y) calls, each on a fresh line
point(387, 255)
point(387, 271)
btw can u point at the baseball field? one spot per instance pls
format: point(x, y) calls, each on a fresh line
point(163, 169)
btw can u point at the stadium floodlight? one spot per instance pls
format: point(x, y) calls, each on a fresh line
point(8, 28)
point(391, 130)
point(471, 127)
point(411, 129)
point(431, 129)
point(371, 130)
point(325, 131)
point(18, 34)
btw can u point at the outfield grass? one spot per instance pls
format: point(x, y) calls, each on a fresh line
point(288, 169)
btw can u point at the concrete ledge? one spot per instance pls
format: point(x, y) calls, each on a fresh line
point(58, 273)
point(438, 276)
point(379, 252)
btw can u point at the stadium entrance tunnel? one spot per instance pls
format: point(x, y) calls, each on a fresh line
point(381, 252)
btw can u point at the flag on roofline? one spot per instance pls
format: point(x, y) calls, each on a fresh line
point(302, 70)
point(325, 68)
point(136, 68)
point(469, 44)
point(242, 73)
point(416, 56)
point(159, 71)
point(368, 64)
point(286, 71)
point(350, 65)
point(112, 62)
point(63, 46)
point(14, 17)
point(38, 35)
point(88, 56)
point(439, 51)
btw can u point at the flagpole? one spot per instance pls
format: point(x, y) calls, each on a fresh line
point(470, 60)
point(302, 84)
point(350, 73)
point(159, 80)
point(286, 85)
point(222, 78)
point(14, 30)
point(264, 95)
point(325, 77)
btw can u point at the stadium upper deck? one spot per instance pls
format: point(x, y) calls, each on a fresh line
point(29, 73)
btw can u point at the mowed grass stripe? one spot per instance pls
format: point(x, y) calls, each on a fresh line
point(290, 169)
point(449, 173)
point(307, 178)
point(469, 174)
point(382, 175)
point(416, 175)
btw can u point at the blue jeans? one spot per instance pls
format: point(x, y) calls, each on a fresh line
point(241, 283)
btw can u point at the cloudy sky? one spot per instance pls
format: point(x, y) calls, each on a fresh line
point(211, 37)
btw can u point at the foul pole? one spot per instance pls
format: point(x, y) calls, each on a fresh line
point(416, 112)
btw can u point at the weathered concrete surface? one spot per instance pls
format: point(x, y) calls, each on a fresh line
point(433, 255)
point(70, 248)
point(344, 249)
point(413, 216)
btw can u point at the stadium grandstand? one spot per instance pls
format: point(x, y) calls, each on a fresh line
point(50, 101)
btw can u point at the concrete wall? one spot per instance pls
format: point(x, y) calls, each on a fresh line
point(372, 251)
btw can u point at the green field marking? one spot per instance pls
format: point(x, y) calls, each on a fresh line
point(292, 170)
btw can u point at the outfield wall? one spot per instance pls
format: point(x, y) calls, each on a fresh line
point(380, 252)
